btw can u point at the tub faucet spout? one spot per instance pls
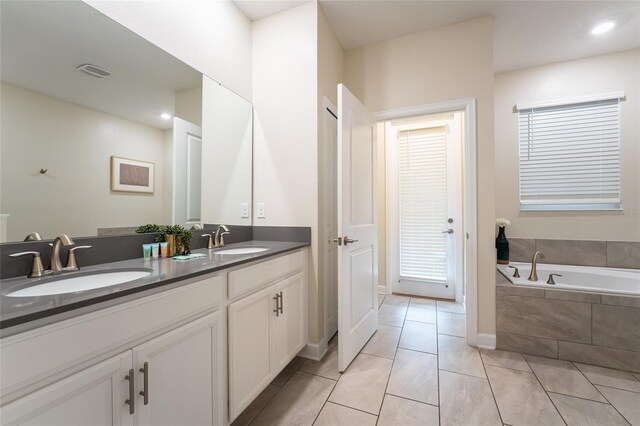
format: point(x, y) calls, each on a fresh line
point(533, 276)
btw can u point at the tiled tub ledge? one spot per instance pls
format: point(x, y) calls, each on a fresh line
point(585, 327)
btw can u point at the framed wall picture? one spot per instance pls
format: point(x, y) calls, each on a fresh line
point(129, 175)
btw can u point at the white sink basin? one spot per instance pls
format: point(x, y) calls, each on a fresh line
point(77, 283)
point(244, 250)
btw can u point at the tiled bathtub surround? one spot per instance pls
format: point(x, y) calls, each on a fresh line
point(575, 326)
point(612, 254)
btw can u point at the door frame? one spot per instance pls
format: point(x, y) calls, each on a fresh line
point(470, 197)
point(392, 188)
point(327, 181)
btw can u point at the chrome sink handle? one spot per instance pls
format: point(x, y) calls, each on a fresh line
point(516, 274)
point(210, 242)
point(550, 280)
point(37, 270)
point(72, 264)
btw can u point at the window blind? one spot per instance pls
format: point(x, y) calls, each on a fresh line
point(423, 204)
point(570, 156)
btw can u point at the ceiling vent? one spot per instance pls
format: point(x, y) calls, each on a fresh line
point(94, 70)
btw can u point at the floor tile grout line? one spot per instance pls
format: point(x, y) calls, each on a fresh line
point(453, 335)
point(351, 408)
point(613, 405)
point(608, 386)
point(598, 390)
point(263, 408)
point(545, 391)
point(493, 395)
point(506, 368)
point(411, 399)
point(597, 402)
point(393, 362)
point(579, 397)
point(613, 387)
point(324, 403)
point(463, 374)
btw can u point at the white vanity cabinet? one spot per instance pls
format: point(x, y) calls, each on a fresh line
point(58, 374)
point(94, 396)
point(266, 328)
point(178, 371)
point(183, 370)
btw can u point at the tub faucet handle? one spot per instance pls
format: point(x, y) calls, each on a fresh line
point(550, 280)
point(516, 274)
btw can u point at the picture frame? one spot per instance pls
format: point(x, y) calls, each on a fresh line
point(128, 175)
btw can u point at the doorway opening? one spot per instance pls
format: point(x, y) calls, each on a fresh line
point(464, 224)
point(424, 208)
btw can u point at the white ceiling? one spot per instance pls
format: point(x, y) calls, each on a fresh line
point(526, 33)
point(43, 42)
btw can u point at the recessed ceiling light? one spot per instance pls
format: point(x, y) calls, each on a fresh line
point(603, 28)
point(165, 116)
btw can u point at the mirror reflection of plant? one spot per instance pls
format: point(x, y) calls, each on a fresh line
point(148, 228)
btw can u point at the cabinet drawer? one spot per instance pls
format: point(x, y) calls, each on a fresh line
point(242, 281)
point(41, 354)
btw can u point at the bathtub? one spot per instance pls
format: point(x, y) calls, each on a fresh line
point(577, 278)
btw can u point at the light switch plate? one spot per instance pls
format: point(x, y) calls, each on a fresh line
point(262, 210)
point(244, 210)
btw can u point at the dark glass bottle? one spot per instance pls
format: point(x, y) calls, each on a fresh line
point(502, 247)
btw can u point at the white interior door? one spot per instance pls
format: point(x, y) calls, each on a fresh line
point(425, 173)
point(357, 230)
point(187, 173)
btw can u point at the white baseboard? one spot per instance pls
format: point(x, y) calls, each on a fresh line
point(314, 351)
point(382, 289)
point(486, 341)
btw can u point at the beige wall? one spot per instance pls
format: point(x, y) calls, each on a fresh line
point(285, 151)
point(330, 72)
point(600, 74)
point(213, 37)
point(454, 62)
point(188, 105)
point(75, 144)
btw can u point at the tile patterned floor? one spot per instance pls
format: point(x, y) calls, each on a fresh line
point(418, 370)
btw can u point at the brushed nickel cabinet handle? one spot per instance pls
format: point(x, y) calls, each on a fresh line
point(131, 402)
point(145, 371)
point(277, 309)
point(281, 304)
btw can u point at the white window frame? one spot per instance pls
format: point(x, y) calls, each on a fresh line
point(545, 205)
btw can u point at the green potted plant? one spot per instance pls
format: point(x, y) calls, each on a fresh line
point(148, 228)
point(178, 237)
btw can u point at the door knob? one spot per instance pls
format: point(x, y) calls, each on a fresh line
point(338, 240)
point(348, 240)
point(448, 231)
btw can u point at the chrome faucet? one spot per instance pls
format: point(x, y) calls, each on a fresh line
point(533, 276)
point(56, 264)
point(221, 231)
point(33, 236)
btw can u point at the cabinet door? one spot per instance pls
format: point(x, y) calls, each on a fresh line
point(290, 329)
point(184, 375)
point(95, 396)
point(250, 367)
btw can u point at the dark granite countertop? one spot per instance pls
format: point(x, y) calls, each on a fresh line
point(18, 314)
